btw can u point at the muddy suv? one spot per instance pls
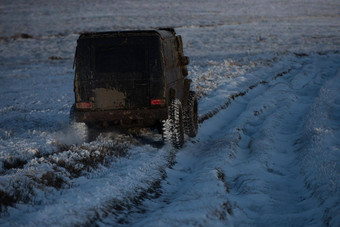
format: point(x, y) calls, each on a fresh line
point(134, 79)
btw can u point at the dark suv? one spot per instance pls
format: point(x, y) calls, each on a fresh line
point(135, 79)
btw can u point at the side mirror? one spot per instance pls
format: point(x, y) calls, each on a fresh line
point(184, 60)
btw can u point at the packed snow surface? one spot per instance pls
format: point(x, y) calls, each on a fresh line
point(268, 148)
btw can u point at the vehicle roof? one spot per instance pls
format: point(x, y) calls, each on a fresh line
point(162, 32)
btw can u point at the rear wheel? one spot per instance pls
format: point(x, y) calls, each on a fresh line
point(173, 128)
point(93, 131)
point(191, 115)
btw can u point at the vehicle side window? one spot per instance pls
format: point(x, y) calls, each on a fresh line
point(171, 60)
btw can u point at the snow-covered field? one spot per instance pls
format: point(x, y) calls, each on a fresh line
point(268, 148)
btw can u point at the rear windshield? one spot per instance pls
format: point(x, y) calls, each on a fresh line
point(124, 59)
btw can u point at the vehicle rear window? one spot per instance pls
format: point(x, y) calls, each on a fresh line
point(109, 59)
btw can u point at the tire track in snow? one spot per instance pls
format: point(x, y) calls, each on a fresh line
point(232, 97)
point(319, 145)
point(165, 199)
point(118, 207)
point(121, 208)
point(275, 191)
point(217, 203)
point(127, 209)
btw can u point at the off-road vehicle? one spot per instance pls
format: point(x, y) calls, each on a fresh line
point(135, 79)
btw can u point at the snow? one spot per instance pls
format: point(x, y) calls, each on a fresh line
point(267, 151)
point(261, 160)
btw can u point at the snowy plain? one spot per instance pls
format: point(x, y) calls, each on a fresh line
point(268, 148)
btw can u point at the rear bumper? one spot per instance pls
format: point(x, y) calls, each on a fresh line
point(121, 115)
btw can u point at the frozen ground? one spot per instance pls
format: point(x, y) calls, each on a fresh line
point(267, 152)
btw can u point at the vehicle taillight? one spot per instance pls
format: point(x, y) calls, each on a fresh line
point(157, 102)
point(83, 105)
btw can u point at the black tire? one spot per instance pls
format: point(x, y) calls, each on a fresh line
point(173, 130)
point(191, 115)
point(92, 132)
point(72, 117)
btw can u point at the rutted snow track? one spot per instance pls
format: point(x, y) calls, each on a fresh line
point(249, 164)
point(250, 169)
